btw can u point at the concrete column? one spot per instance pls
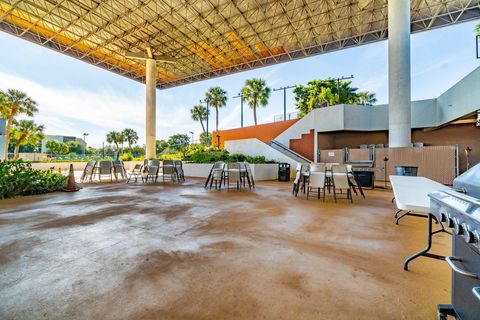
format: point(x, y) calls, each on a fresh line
point(315, 146)
point(399, 99)
point(150, 123)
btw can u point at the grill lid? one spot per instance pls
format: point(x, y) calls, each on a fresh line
point(469, 181)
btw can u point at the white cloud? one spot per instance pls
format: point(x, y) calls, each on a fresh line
point(232, 120)
point(72, 111)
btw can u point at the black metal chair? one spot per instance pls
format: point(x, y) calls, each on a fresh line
point(152, 170)
point(168, 169)
point(119, 169)
point(296, 182)
point(88, 172)
point(179, 170)
point(105, 168)
point(136, 173)
point(249, 176)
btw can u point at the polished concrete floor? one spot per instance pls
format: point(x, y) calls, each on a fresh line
point(116, 251)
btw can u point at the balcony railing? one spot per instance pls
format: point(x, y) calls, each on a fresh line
point(289, 116)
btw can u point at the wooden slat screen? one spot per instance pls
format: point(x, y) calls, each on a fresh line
point(434, 162)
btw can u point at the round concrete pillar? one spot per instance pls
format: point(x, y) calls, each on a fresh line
point(150, 120)
point(399, 96)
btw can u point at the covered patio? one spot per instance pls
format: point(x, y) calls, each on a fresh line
point(116, 251)
point(178, 251)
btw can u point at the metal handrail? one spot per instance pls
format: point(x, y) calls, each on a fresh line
point(290, 150)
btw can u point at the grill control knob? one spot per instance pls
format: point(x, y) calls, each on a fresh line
point(449, 222)
point(457, 228)
point(467, 234)
point(476, 238)
point(443, 217)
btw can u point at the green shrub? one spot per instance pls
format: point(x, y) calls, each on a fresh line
point(194, 148)
point(17, 178)
point(126, 157)
point(170, 156)
point(257, 159)
point(214, 155)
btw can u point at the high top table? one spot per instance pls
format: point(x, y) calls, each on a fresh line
point(411, 194)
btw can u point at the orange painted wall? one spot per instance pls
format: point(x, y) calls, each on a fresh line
point(304, 145)
point(264, 132)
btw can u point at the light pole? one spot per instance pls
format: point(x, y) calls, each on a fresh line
point(208, 134)
point(284, 99)
point(192, 135)
point(85, 134)
point(240, 95)
point(338, 84)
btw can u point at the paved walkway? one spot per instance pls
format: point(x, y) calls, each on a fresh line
point(116, 251)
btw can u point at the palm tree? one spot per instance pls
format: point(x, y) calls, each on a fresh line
point(116, 138)
point(199, 113)
point(367, 98)
point(477, 29)
point(12, 103)
point(256, 93)
point(216, 97)
point(26, 132)
point(130, 136)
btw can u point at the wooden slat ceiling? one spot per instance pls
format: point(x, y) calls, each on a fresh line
point(210, 38)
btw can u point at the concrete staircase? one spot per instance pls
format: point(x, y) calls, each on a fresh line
point(288, 152)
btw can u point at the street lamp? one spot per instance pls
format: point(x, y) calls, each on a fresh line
point(240, 95)
point(192, 135)
point(85, 141)
point(284, 99)
point(338, 84)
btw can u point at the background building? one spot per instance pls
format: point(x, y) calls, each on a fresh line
point(64, 139)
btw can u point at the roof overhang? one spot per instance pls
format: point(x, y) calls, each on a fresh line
point(210, 38)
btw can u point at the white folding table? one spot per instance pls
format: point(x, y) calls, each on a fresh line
point(411, 194)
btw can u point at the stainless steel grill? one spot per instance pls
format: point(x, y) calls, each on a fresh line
point(461, 212)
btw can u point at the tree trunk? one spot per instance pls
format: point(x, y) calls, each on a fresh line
point(216, 113)
point(203, 127)
point(255, 114)
point(7, 136)
point(17, 151)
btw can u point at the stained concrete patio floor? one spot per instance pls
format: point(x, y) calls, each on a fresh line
point(116, 251)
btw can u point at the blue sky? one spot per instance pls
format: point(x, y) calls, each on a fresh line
point(75, 97)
